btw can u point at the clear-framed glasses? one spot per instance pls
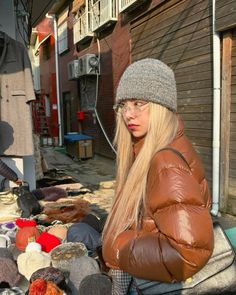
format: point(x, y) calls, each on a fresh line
point(137, 107)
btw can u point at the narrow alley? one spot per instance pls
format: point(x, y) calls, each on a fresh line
point(96, 176)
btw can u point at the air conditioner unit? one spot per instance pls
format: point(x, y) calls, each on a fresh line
point(130, 5)
point(73, 69)
point(88, 65)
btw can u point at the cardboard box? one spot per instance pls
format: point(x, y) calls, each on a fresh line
point(79, 146)
point(81, 149)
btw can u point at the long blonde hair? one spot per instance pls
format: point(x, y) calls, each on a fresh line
point(132, 173)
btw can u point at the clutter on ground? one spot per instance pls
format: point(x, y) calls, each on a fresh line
point(49, 237)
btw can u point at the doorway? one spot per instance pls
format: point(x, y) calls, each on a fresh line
point(67, 112)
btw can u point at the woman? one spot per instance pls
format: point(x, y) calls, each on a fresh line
point(159, 227)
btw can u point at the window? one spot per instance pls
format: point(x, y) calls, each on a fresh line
point(62, 31)
point(62, 38)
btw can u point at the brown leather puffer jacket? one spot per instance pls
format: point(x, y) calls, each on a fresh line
point(176, 236)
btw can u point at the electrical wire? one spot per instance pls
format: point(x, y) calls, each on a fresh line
point(99, 121)
point(96, 100)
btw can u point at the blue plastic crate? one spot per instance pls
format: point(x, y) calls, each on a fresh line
point(76, 137)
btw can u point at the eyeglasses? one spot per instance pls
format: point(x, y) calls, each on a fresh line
point(137, 107)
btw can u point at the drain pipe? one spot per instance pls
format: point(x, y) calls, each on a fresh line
point(216, 117)
point(57, 81)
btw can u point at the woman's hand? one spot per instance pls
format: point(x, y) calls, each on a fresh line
point(19, 181)
point(112, 266)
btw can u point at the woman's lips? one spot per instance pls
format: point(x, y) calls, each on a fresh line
point(132, 126)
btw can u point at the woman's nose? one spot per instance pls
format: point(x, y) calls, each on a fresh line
point(129, 112)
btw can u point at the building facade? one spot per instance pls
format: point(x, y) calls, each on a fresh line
point(99, 38)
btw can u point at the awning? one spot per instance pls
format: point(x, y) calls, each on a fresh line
point(40, 43)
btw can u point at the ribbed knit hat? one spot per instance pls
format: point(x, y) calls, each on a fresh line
point(150, 80)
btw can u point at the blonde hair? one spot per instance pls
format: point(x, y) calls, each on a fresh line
point(132, 173)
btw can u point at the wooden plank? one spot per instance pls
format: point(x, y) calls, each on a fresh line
point(232, 148)
point(233, 117)
point(204, 150)
point(234, 51)
point(192, 63)
point(226, 23)
point(195, 93)
point(184, 55)
point(180, 16)
point(167, 32)
point(232, 124)
point(231, 206)
point(169, 41)
point(194, 101)
point(225, 119)
point(175, 57)
point(181, 37)
point(200, 133)
point(232, 172)
point(173, 7)
point(233, 89)
point(187, 50)
point(198, 124)
point(232, 155)
point(204, 142)
point(181, 70)
point(232, 137)
point(195, 109)
point(193, 77)
point(234, 70)
point(232, 182)
point(195, 85)
point(222, 3)
point(225, 15)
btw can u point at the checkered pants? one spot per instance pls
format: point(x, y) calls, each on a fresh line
point(121, 282)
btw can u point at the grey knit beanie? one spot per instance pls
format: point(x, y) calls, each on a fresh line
point(150, 80)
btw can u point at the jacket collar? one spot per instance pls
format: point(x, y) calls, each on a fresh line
point(180, 130)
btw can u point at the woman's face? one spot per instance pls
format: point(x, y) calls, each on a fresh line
point(136, 116)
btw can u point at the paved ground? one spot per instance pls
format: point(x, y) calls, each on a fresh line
point(97, 175)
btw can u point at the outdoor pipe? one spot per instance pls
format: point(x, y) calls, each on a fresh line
point(216, 117)
point(57, 81)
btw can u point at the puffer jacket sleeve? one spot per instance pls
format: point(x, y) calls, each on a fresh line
point(181, 241)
